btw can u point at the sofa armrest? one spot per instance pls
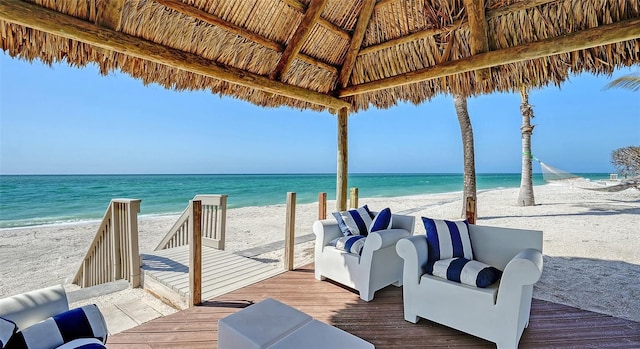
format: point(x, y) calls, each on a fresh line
point(28, 308)
point(384, 238)
point(524, 269)
point(326, 230)
point(413, 250)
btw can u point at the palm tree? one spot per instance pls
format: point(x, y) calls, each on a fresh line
point(631, 82)
point(469, 159)
point(525, 197)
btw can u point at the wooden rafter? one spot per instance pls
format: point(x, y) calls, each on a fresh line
point(356, 42)
point(297, 5)
point(588, 38)
point(299, 37)
point(479, 40)
point(518, 6)
point(49, 21)
point(109, 14)
point(232, 28)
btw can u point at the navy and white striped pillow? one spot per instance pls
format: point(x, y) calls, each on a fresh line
point(351, 244)
point(447, 239)
point(354, 222)
point(7, 330)
point(83, 322)
point(464, 271)
point(382, 221)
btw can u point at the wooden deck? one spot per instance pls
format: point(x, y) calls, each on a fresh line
point(166, 273)
point(380, 321)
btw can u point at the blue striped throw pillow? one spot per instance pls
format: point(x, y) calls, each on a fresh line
point(464, 271)
point(351, 244)
point(354, 222)
point(7, 330)
point(83, 322)
point(447, 239)
point(382, 221)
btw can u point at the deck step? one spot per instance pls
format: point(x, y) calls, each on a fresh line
point(166, 273)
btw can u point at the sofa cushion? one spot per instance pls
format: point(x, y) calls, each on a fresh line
point(351, 244)
point(354, 222)
point(464, 271)
point(381, 221)
point(7, 330)
point(447, 239)
point(83, 322)
point(83, 343)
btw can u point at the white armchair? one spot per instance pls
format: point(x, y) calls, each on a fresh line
point(498, 313)
point(377, 267)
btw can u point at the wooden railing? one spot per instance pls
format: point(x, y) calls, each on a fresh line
point(213, 223)
point(113, 254)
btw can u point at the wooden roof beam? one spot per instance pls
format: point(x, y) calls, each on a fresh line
point(232, 28)
point(299, 37)
point(518, 6)
point(297, 5)
point(52, 22)
point(109, 14)
point(479, 40)
point(585, 39)
point(356, 42)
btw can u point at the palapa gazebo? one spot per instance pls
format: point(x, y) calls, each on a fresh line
point(337, 55)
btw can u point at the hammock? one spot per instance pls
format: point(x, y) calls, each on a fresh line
point(554, 175)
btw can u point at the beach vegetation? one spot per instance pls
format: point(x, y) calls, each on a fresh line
point(469, 180)
point(630, 82)
point(627, 160)
point(525, 196)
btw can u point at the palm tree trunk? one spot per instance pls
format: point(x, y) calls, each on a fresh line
point(525, 197)
point(467, 144)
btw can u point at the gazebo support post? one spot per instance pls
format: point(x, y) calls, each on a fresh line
point(342, 172)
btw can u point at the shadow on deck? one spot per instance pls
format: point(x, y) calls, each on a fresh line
point(380, 321)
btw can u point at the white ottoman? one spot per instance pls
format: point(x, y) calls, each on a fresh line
point(275, 325)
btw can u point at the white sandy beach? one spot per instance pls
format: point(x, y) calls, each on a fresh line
point(591, 242)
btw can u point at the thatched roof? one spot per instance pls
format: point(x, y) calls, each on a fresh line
point(322, 54)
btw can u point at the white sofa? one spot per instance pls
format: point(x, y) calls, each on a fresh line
point(39, 315)
point(377, 267)
point(498, 313)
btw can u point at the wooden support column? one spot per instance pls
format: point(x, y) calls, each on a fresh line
point(471, 213)
point(322, 206)
point(290, 231)
point(195, 253)
point(342, 172)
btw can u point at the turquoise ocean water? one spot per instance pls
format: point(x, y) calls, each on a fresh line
point(34, 200)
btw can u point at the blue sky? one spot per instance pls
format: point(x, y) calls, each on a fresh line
point(65, 120)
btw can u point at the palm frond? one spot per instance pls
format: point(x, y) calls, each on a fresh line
point(631, 82)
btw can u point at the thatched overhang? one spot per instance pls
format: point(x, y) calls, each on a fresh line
point(330, 54)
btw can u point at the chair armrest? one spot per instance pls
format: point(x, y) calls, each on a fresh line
point(413, 250)
point(384, 238)
point(325, 231)
point(523, 269)
point(29, 308)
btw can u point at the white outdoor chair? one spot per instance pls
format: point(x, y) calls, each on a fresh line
point(498, 313)
point(377, 267)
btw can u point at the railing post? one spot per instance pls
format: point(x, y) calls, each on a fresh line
point(322, 206)
point(195, 255)
point(353, 201)
point(134, 252)
point(222, 221)
point(290, 231)
point(114, 235)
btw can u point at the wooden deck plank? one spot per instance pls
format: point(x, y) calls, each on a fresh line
point(222, 271)
point(380, 321)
